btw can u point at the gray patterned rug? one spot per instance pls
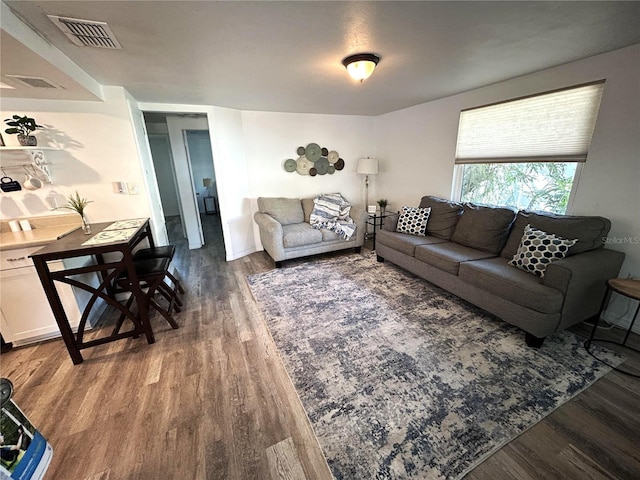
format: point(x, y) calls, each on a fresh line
point(401, 379)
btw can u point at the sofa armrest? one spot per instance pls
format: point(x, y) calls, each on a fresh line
point(582, 278)
point(271, 235)
point(390, 222)
point(359, 217)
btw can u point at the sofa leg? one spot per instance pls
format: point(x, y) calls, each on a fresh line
point(533, 341)
point(379, 258)
point(357, 249)
point(278, 264)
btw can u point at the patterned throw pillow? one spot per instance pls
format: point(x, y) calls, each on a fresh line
point(413, 220)
point(538, 249)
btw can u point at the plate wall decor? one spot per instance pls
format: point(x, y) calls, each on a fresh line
point(314, 160)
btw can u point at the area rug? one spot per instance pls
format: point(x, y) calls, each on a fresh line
point(401, 379)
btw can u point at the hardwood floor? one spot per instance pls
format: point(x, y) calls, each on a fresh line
point(212, 400)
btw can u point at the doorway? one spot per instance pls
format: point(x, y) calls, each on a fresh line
point(183, 161)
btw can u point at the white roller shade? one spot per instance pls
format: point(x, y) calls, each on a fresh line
point(550, 127)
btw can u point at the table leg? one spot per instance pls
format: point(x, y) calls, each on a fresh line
point(141, 299)
point(58, 310)
point(626, 337)
point(375, 224)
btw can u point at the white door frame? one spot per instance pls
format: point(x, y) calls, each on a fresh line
point(149, 174)
point(177, 125)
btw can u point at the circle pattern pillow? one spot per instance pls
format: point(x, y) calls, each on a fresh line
point(538, 249)
point(413, 220)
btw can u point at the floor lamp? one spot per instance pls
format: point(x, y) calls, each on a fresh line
point(367, 166)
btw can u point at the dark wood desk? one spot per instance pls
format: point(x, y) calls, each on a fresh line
point(72, 246)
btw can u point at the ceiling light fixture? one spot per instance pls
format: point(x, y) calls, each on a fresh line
point(361, 65)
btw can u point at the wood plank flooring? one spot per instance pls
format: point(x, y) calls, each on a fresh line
point(212, 400)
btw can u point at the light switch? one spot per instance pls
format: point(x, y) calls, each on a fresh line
point(133, 188)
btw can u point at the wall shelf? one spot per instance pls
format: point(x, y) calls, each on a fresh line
point(35, 156)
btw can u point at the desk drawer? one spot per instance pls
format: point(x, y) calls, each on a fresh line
point(17, 258)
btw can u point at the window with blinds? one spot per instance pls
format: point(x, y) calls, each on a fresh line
point(526, 152)
point(549, 127)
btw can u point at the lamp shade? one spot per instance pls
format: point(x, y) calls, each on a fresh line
point(367, 166)
point(207, 182)
point(361, 66)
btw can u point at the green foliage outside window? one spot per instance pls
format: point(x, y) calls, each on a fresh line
point(531, 186)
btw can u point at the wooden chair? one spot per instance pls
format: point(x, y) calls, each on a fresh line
point(151, 274)
point(166, 251)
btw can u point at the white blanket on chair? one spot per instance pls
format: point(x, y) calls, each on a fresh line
point(331, 211)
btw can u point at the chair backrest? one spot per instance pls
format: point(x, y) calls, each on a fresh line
point(286, 211)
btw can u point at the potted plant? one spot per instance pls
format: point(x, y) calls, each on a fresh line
point(23, 126)
point(78, 204)
point(383, 205)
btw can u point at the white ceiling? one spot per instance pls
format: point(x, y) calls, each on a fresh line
point(286, 56)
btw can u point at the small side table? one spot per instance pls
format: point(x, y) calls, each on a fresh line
point(630, 288)
point(377, 220)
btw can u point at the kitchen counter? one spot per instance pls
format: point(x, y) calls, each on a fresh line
point(44, 230)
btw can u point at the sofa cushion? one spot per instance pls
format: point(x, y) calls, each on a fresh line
point(285, 210)
point(484, 227)
point(444, 216)
point(331, 236)
point(413, 220)
point(298, 234)
point(403, 242)
point(448, 255)
point(496, 276)
point(589, 231)
point(538, 249)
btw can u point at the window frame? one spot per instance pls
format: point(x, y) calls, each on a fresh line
point(458, 174)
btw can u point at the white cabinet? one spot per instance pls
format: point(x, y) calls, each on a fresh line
point(25, 314)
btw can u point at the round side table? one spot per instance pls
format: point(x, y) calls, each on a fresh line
point(630, 288)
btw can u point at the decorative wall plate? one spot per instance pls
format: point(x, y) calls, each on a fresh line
point(331, 170)
point(339, 164)
point(322, 165)
point(313, 172)
point(324, 152)
point(303, 165)
point(300, 151)
point(312, 152)
point(333, 156)
point(290, 165)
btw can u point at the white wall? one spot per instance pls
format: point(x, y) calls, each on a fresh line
point(271, 138)
point(96, 147)
point(417, 147)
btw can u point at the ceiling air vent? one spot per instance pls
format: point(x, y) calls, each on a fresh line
point(86, 33)
point(34, 82)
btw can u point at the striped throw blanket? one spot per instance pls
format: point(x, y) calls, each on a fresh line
point(331, 211)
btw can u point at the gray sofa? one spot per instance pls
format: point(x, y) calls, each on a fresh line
point(467, 249)
point(285, 231)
